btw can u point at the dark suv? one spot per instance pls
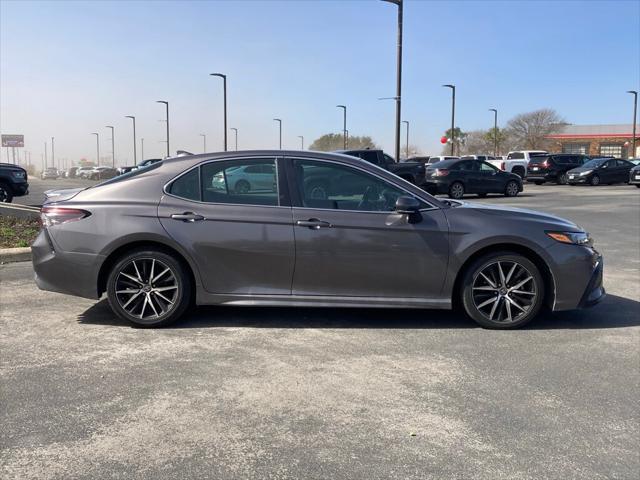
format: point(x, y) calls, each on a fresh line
point(553, 167)
point(13, 182)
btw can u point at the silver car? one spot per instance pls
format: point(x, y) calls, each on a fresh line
point(334, 231)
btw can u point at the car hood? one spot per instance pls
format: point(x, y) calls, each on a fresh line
point(514, 213)
point(61, 195)
point(581, 169)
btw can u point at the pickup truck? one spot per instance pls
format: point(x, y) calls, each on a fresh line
point(13, 182)
point(516, 162)
point(410, 171)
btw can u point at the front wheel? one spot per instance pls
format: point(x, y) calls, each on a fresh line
point(502, 290)
point(456, 190)
point(595, 180)
point(6, 195)
point(512, 189)
point(149, 288)
point(563, 179)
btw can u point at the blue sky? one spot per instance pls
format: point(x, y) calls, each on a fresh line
point(69, 68)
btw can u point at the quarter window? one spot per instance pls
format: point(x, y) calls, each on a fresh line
point(187, 186)
point(331, 186)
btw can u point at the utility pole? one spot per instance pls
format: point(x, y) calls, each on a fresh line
point(398, 97)
point(635, 114)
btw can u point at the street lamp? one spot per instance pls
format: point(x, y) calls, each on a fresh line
point(398, 74)
point(141, 148)
point(236, 132)
point(53, 159)
point(113, 148)
point(279, 120)
point(635, 113)
point(495, 131)
point(224, 86)
point(453, 116)
point(301, 137)
point(204, 139)
point(135, 160)
point(407, 122)
point(344, 125)
point(97, 148)
point(167, 120)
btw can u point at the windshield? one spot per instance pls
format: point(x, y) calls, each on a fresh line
point(128, 175)
point(594, 163)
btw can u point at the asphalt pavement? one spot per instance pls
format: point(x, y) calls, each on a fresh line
point(331, 393)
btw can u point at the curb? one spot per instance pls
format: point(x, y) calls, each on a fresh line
point(10, 255)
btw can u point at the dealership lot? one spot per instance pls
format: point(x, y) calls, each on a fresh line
point(311, 393)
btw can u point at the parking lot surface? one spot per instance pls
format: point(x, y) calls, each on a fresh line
point(331, 393)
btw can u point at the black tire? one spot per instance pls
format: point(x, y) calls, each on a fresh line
point(594, 181)
point(538, 182)
point(242, 186)
point(181, 299)
point(519, 171)
point(456, 190)
point(638, 185)
point(506, 259)
point(6, 194)
point(563, 179)
point(511, 189)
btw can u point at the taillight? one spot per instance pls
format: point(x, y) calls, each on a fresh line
point(50, 216)
point(544, 164)
point(503, 166)
point(441, 172)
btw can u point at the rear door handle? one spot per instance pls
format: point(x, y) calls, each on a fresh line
point(313, 224)
point(187, 217)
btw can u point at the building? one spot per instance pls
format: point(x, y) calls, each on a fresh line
point(595, 140)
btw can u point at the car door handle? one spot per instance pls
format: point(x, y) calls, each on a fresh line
point(187, 217)
point(313, 224)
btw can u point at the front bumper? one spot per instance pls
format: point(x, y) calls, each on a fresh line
point(20, 189)
point(594, 293)
point(578, 179)
point(634, 179)
point(64, 272)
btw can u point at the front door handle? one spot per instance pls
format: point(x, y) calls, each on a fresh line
point(187, 217)
point(313, 224)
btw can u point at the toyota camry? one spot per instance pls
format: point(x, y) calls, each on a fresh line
point(183, 231)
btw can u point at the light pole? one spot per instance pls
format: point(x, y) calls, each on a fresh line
point(398, 96)
point(97, 148)
point(301, 137)
point(407, 122)
point(204, 139)
point(235, 130)
point(453, 116)
point(224, 86)
point(279, 120)
point(53, 158)
point(344, 125)
point(166, 104)
point(113, 147)
point(142, 148)
point(45, 156)
point(135, 160)
point(635, 113)
point(495, 131)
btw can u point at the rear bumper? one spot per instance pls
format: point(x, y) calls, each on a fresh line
point(435, 187)
point(540, 177)
point(64, 272)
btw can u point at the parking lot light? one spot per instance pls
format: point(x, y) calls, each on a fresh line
point(301, 137)
point(398, 97)
point(135, 161)
point(236, 132)
point(635, 114)
point(344, 125)
point(166, 104)
point(453, 116)
point(279, 120)
point(495, 131)
point(97, 148)
point(407, 152)
point(204, 139)
point(224, 87)
point(113, 148)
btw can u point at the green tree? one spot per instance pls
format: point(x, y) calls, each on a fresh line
point(458, 138)
point(495, 134)
point(335, 141)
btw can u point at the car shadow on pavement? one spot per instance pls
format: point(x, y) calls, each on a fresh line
point(613, 312)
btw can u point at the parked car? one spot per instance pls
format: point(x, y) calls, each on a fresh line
point(82, 172)
point(553, 167)
point(101, 173)
point(635, 161)
point(13, 182)
point(484, 158)
point(601, 170)
point(516, 161)
point(393, 245)
point(418, 159)
point(50, 173)
point(411, 171)
point(442, 158)
point(144, 163)
point(71, 172)
point(634, 176)
point(459, 177)
point(247, 178)
point(123, 170)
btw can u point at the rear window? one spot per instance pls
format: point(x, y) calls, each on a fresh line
point(515, 156)
point(128, 175)
point(537, 160)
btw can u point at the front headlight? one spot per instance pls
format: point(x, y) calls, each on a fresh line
point(18, 174)
point(574, 238)
point(582, 174)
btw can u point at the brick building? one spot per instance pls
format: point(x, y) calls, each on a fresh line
point(594, 140)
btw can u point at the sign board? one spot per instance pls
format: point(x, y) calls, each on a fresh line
point(13, 141)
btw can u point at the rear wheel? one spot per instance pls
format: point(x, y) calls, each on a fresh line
point(149, 288)
point(595, 180)
point(502, 290)
point(6, 195)
point(242, 186)
point(562, 179)
point(456, 190)
point(512, 189)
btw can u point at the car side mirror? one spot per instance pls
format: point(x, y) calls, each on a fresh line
point(407, 205)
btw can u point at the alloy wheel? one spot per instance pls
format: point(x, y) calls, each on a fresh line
point(4, 194)
point(504, 291)
point(512, 189)
point(562, 179)
point(457, 190)
point(146, 288)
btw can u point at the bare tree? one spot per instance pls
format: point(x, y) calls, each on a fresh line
point(529, 130)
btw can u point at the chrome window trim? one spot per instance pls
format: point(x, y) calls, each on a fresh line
point(316, 159)
point(224, 159)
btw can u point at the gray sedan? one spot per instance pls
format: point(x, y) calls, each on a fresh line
point(333, 230)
